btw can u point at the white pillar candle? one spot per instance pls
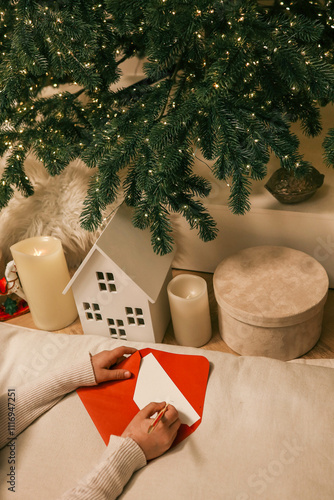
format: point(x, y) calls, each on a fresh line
point(43, 273)
point(189, 305)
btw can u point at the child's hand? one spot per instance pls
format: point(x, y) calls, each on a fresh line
point(105, 364)
point(161, 438)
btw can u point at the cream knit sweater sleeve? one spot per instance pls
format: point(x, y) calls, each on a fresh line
point(121, 459)
point(122, 456)
point(36, 397)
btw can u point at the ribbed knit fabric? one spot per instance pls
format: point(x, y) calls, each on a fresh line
point(122, 456)
point(38, 396)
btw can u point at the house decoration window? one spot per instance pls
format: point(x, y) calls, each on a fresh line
point(92, 311)
point(116, 328)
point(135, 316)
point(106, 282)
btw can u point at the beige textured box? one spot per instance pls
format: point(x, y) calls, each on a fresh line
point(270, 301)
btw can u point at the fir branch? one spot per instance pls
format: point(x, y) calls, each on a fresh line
point(239, 195)
point(161, 230)
point(226, 77)
point(196, 215)
point(6, 192)
point(91, 215)
point(14, 173)
point(328, 145)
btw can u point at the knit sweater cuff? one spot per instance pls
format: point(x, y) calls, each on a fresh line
point(135, 454)
point(125, 457)
point(120, 460)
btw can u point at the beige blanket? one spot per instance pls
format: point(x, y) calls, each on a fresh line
point(267, 430)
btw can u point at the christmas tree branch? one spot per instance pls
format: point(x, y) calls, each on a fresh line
point(224, 78)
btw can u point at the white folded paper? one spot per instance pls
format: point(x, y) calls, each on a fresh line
point(153, 384)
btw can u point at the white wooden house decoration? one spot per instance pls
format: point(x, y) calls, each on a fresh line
point(120, 288)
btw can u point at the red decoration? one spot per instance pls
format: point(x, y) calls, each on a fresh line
point(22, 307)
point(3, 286)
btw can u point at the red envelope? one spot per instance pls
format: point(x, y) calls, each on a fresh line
point(111, 406)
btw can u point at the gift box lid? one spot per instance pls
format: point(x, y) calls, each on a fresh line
point(271, 286)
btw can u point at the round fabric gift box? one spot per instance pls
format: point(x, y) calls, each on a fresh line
point(270, 301)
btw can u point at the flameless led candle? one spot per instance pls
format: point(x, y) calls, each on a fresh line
point(43, 273)
point(189, 305)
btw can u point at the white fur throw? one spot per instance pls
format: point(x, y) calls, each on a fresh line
point(53, 210)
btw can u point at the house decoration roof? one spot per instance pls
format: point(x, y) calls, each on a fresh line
point(131, 250)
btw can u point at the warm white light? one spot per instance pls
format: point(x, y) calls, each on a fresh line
point(37, 253)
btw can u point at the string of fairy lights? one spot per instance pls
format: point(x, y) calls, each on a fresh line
point(211, 43)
